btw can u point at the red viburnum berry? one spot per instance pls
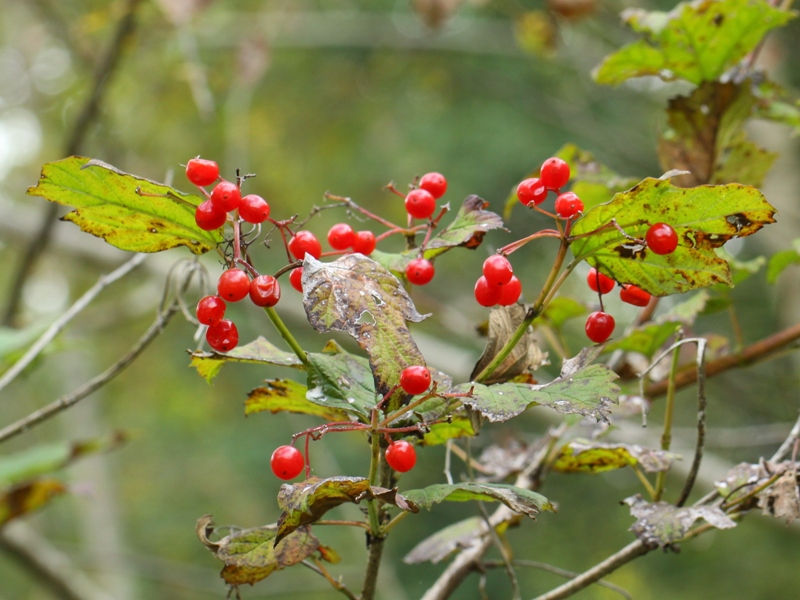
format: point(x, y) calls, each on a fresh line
point(233, 285)
point(201, 171)
point(415, 379)
point(599, 282)
point(497, 269)
point(364, 243)
point(210, 310)
point(420, 204)
point(487, 294)
point(568, 205)
point(341, 236)
point(287, 462)
point(419, 271)
point(296, 279)
point(305, 242)
point(401, 456)
point(554, 173)
point(265, 291)
point(254, 209)
point(435, 183)
point(510, 292)
point(226, 196)
point(599, 326)
point(661, 238)
point(208, 217)
point(222, 336)
point(531, 190)
point(634, 295)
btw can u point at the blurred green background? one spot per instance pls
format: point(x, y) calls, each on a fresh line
point(344, 96)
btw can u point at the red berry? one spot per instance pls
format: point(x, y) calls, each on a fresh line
point(531, 190)
point(634, 295)
point(510, 292)
point(202, 172)
point(253, 209)
point(208, 217)
point(435, 183)
point(401, 456)
point(599, 282)
point(419, 271)
point(599, 326)
point(210, 310)
point(296, 279)
point(265, 290)
point(420, 204)
point(497, 269)
point(341, 236)
point(554, 173)
point(233, 285)
point(222, 336)
point(415, 379)
point(226, 196)
point(364, 243)
point(568, 205)
point(287, 462)
point(487, 294)
point(661, 238)
point(304, 242)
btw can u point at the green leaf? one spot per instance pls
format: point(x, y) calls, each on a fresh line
point(705, 137)
point(341, 381)
point(251, 555)
point(704, 218)
point(290, 396)
point(259, 351)
point(780, 260)
point(662, 524)
point(560, 310)
point(582, 456)
point(39, 460)
point(357, 295)
point(582, 388)
point(305, 502)
point(696, 41)
point(27, 497)
point(517, 499)
point(129, 212)
point(439, 433)
point(776, 104)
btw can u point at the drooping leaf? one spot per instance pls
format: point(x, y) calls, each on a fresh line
point(560, 310)
point(341, 381)
point(39, 460)
point(526, 356)
point(27, 497)
point(517, 499)
point(705, 137)
point(582, 456)
point(704, 218)
point(782, 499)
point(356, 295)
point(251, 555)
point(662, 524)
point(129, 212)
point(780, 260)
point(259, 351)
point(277, 395)
point(305, 502)
point(697, 41)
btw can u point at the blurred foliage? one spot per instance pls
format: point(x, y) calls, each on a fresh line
point(341, 96)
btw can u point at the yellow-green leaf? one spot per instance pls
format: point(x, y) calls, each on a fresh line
point(278, 395)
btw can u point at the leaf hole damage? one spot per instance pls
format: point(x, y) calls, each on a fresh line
point(631, 250)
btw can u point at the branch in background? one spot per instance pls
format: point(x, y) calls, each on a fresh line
point(88, 114)
point(50, 567)
point(701, 424)
point(54, 329)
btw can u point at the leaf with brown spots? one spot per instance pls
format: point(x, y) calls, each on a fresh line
point(357, 295)
point(28, 497)
point(129, 212)
point(704, 218)
point(582, 456)
point(285, 395)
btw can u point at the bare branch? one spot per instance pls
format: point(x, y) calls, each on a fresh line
point(701, 423)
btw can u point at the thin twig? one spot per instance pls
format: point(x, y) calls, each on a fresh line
point(335, 583)
point(787, 444)
point(701, 424)
point(48, 336)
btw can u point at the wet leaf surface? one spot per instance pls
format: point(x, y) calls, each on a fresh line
point(341, 381)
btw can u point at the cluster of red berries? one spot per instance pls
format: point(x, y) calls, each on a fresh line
point(661, 238)
point(420, 203)
point(553, 175)
point(497, 285)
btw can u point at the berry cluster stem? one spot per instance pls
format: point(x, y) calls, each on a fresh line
point(287, 336)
